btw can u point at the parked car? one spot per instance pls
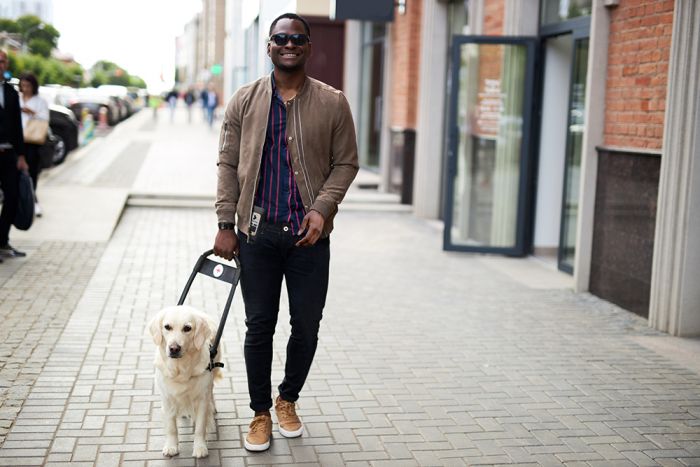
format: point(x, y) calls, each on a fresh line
point(119, 94)
point(63, 123)
point(94, 101)
point(53, 151)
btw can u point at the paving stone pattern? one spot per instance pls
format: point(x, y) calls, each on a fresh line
point(36, 302)
point(425, 358)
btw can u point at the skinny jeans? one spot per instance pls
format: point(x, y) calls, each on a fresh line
point(264, 263)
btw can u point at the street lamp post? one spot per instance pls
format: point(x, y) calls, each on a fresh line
point(25, 36)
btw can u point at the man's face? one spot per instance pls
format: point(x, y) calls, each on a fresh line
point(288, 57)
point(3, 65)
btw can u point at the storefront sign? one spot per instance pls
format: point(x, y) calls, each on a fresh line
point(365, 10)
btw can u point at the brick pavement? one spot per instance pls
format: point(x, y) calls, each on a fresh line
point(38, 294)
point(425, 358)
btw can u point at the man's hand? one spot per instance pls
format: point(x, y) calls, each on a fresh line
point(226, 244)
point(22, 164)
point(313, 224)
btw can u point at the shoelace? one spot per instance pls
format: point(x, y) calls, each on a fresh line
point(258, 423)
point(287, 409)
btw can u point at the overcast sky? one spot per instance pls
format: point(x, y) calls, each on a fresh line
point(138, 35)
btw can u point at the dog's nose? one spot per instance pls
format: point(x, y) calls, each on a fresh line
point(174, 350)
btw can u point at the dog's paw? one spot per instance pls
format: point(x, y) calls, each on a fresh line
point(200, 450)
point(170, 450)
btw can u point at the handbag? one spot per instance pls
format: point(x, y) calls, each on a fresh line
point(25, 203)
point(35, 131)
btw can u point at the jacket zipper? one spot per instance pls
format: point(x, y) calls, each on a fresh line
point(257, 173)
point(302, 159)
point(223, 145)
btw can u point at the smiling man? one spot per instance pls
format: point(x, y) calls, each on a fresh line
point(287, 155)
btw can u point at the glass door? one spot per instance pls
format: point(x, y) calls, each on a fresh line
point(372, 94)
point(574, 145)
point(489, 169)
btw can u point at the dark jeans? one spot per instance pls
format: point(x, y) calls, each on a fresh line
point(9, 179)
point(264, 263)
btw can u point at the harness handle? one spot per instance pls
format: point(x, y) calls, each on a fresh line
point(222, 272)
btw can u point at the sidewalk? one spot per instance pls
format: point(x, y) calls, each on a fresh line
point(425, 357)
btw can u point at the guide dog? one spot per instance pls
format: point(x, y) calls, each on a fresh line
point(183, 335)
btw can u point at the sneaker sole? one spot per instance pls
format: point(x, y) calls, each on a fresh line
point(256, 447)
point(291, 434)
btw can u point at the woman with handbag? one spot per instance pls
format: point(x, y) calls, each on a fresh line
point(35, 122)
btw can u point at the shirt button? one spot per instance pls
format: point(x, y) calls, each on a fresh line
point(290, 138)
point(296, 172)
point(285, 228)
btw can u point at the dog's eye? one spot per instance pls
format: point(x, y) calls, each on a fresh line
point(168, 327)
point(187, 328)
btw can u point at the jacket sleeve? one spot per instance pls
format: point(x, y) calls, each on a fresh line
point(16, 134)
point(344, 163)
point(228, 187)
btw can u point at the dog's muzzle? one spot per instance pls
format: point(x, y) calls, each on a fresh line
point(174, 351)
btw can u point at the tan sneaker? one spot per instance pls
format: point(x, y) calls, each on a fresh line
point(258, 437)
point(290, 425)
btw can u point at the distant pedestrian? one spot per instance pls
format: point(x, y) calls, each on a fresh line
point(203, 97)
point(287, 156)
point(189, 101)
point(212, 102)
point(35, 111)
point(12, 159)
point(171, 99)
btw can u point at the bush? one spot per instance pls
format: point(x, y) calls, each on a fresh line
point(47, 70)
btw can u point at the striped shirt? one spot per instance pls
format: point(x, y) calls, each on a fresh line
point(277, 193)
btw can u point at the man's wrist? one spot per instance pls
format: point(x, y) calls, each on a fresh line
point(227, 226)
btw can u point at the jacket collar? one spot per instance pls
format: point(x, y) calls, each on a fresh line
point(270, 87)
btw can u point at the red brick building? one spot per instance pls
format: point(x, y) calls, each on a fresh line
point(567, 129)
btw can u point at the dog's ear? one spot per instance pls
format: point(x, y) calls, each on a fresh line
point(202, 331)
point(156, 329)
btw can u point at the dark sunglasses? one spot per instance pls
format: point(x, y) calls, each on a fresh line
point(283, 39)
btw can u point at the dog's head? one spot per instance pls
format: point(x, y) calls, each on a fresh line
point(178, 330)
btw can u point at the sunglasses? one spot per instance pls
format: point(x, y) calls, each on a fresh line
point(283, 39)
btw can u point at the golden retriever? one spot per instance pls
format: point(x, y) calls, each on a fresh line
point(183, 335)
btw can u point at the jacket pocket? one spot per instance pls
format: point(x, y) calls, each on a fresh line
point(224, 135)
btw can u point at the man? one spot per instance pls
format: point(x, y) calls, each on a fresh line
point(287, 155)
point(11, 159)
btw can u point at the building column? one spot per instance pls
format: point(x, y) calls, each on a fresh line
point(675, 295)
point(385, 139)
point(431, 111)
point(594, 117)
point(353, 62)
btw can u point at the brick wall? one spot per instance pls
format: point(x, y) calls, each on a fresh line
point(405, 49)
point(494, 12)
point(638, 53)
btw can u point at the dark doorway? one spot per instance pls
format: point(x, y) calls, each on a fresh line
point(328, 49)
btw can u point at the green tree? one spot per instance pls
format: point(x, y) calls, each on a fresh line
point(8, 25)
point(137, 82)
point(106, 72)
point(47, 71)
point(41, 38)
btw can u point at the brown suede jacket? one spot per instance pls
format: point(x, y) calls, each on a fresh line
point(320, 140)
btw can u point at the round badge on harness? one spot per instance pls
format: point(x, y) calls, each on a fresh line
point(218, 270)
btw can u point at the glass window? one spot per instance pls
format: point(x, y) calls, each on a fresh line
point(554, 11)
point(577, 106)
point(490, 121)
point(371, 94)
